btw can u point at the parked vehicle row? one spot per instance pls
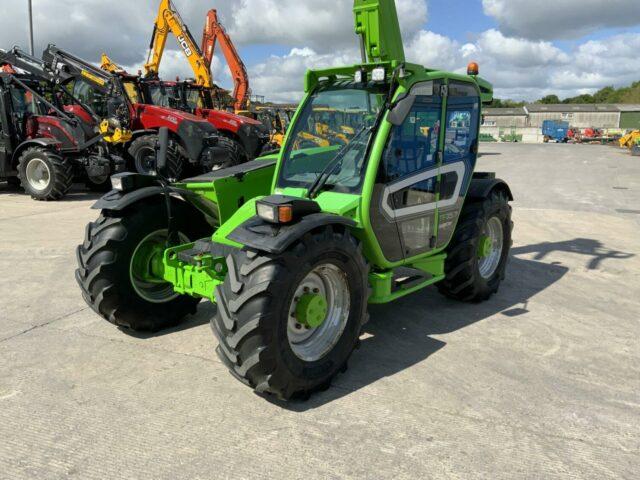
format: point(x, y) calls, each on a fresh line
point(65, 120)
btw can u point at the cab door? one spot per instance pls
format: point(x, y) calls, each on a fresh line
point(460, 152)
point(404, 204)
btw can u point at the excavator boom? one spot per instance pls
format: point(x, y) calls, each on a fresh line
point(109, 65)
point(215, 32)
point(169, 21)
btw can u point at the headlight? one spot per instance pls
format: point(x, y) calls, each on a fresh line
point(128, 181)
point(378, 74)
point(116, 183)
point(285, 209)
point(267, 212)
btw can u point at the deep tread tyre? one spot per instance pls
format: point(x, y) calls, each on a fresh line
point(59, 171)
point(235, 152)
point(463, 279)
point(104, 260)
point(252, 314)
point(145, 145)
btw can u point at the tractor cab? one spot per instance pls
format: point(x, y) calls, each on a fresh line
point(411, 155)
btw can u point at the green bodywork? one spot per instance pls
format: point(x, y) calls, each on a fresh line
point(232, 200)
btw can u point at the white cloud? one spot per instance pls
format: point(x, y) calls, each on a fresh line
point(91, 27)
point(518, 52)
point(324, 26)
point(560, 19)
point(597, 63)
point(433, 50)
point(281, 78)
point(518, 68)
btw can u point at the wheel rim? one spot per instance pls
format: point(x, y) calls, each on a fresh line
point(145, 269)
point(146, 161)
point(490, 247)
point(38, 174)
point(319, 312)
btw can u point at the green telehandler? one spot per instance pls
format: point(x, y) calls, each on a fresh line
point(293, 247)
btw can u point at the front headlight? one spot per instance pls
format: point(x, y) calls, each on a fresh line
point(267, 212)
point(116, 183)
point(281, 209)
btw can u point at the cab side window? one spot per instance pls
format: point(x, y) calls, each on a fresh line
point(413, 146)
point(87, 94)
point(462, 122)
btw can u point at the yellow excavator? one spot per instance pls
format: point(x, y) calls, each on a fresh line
point(277, 120)
point(169, 21)
point(630, 140)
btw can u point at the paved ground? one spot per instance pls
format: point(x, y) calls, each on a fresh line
point(543, 381)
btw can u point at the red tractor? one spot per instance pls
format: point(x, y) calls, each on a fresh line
point(250, 136)
point(43, 147)
point(195, 144)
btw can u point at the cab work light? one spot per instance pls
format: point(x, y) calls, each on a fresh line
point(378, 74)
point(282, 209)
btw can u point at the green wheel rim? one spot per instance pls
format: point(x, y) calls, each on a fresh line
point(490, 247)
point(146, 267)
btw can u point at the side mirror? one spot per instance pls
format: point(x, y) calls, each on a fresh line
point(163, 149)
point(401, 109)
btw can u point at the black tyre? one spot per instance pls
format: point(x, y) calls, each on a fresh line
point(44, 175)
point(118, 250)
point(269, 323)
point(143, 154)
point(478, 252)
point(235, 153)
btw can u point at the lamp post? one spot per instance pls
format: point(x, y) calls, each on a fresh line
point(30, 28)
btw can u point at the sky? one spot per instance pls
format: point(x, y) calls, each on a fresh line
point(526, 48)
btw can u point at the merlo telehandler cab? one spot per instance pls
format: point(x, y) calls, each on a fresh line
point(293, 248)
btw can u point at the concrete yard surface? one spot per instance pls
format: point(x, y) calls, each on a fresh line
point(541, 381)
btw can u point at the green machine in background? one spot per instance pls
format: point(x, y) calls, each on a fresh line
point(294, 246)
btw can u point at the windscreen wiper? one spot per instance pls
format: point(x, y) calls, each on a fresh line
point(328, 170)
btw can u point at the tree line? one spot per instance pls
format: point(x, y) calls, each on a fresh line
point(630, 94)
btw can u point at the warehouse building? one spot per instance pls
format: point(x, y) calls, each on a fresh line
point(629, 117)
point(579, 116)
point(525, 124)
point(505, 117)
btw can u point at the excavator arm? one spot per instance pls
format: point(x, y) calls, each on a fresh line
point(109, 65)
point(215, 32)
point(169, 21)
